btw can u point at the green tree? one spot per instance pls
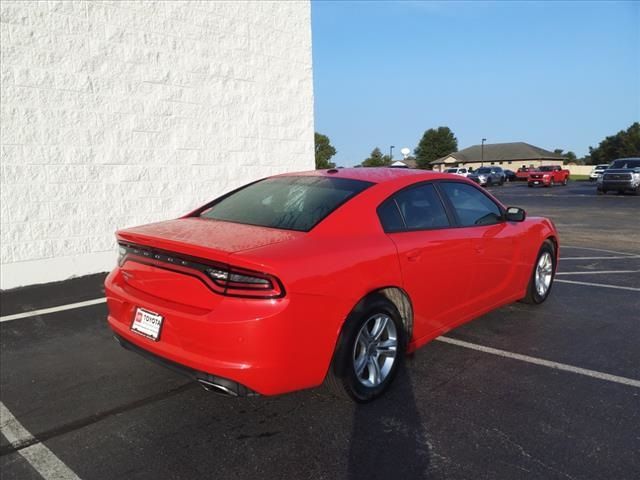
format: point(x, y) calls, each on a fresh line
point(324, 152)
point(570, 156)
point(435, 143)
point(376, 159)
point(625, 143)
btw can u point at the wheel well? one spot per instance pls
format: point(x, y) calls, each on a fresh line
point(402, 302)
point(554, 241)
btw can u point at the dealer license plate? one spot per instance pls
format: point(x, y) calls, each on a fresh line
point(147, 324)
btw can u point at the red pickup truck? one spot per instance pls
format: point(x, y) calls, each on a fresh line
point(548, 175)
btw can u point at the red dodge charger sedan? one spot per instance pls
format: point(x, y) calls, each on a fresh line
point(325, 276)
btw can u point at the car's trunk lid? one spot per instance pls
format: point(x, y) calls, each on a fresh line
point(194, 241)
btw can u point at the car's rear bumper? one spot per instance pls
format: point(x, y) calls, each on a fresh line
point(266, 346)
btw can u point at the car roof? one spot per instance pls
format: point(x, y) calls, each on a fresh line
point(373, 174)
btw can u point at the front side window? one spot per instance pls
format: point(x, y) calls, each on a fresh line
point(290, 203)
point(471, 206)
point(420, 208)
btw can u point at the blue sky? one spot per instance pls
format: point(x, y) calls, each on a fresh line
point(554, 74)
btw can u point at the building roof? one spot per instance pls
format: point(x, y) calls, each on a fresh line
point(499, 152)
point(408, 162)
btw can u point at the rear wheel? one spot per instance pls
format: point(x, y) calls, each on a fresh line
point(542, 276)
point(369, 353)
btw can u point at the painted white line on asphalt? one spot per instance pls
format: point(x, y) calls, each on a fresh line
point(627, 257)
point(44, 311)
point(600, 285)
point(597, 250)
point(597, 272)
point(545, 363)
point(39, 457)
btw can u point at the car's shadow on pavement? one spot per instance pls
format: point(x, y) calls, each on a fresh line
point(388, 439)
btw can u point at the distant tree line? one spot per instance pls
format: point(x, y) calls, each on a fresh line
point(440, 142)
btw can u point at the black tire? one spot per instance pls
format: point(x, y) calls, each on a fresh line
point(341, 379)
point(551, 183)
point(532, 296)
point(565, 182)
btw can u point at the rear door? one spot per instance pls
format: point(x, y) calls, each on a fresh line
point(493, 242)
point(435, 259)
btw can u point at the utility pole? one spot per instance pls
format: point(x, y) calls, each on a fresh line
point(482, 152)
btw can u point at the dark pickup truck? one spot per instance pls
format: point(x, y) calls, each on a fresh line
point(623, 175)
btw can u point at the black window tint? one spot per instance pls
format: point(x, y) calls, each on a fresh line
point(471, 205)
point(291, 203)
point(421, 207)
point(390, 216)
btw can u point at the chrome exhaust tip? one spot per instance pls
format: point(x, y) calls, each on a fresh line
point(217, 388)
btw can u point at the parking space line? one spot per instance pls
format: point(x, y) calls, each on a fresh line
point(597, 250)
point(545, 363)
point(601, 285)
point(626, 257)
point(596, 272)
point(60, 308)
point(39, 457)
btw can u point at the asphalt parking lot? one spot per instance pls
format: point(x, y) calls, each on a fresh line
point(521, 393)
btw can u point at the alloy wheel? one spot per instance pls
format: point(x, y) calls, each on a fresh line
point(375, 350)
point(544, 273)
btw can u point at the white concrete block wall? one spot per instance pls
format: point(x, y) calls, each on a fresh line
point(118, 113)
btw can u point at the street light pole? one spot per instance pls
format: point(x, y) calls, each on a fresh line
point(391, 152)
point(482, 152)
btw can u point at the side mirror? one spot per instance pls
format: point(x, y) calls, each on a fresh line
point(515, 214)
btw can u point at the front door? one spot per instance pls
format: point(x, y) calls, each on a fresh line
point(436, 260)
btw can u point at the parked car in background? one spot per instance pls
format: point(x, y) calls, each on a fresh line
point(510, 175)
point(219, 294)
point(548, 176)
point(623, 175)
point(462, 171)
point(488, 176)
point(597, 171)
point(523, 173)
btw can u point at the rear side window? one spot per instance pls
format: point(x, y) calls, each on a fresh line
point(419, 207)
point(471, 205)
point(390, 216)
point(290, 203)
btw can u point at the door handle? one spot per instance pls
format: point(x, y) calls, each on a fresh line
point(414, 255)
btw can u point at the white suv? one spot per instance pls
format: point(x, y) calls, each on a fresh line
point(463, 172)
point(597, 171)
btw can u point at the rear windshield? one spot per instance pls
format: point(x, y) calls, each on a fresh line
point(289, 203)
point(484, 170)
point(626, 163)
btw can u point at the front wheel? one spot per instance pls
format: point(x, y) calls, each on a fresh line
point(542, 276)
point(369, 352)
point(565, 182)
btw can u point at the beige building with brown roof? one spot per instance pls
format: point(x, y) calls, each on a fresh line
point(506, 155)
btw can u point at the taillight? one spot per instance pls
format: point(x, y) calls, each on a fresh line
point(221, 278)
point(245, 283)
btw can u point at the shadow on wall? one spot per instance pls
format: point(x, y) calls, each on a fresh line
point(389, 440)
